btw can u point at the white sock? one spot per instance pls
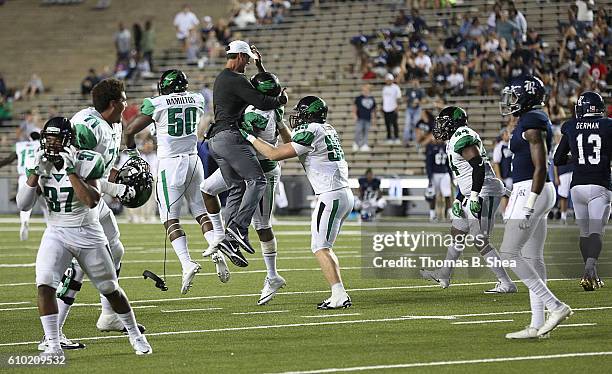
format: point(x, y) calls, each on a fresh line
point(210, 237)
point(63, 310)
point(129, 322)
point(51, 329)
point(537, 310)
point(432, 214)
point(452, 254)
point(106, 306)
point(268, 249)
point(499, 271)
point(217, 222)
point(564, 215)
point(180, 248)
point(24, 217)
point(338, 289)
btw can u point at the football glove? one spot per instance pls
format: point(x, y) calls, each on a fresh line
point(526, 222)
point(457, 209)
point(40, 165)
point(69, 157)
point(475, 207)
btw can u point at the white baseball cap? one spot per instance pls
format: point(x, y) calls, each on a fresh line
point(389, 77)
point(239, 46)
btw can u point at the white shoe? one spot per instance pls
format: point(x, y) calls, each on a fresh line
point(271, 286)
point(65, 343)
point(24, 231)
point(141, 345)
point(188, 276)
point(503, 288)
point(527, 333)
point(555, 318)
point(365, 148)
point(221, 267)
point(355, 147)
point(52, 353)
point(109, 322)
point(213, 247)
point(342, 302)
point(432, 275)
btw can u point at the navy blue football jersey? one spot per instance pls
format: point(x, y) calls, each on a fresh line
point(590, 142)
point(436, 160)
point(522, 166)
point(369, 189)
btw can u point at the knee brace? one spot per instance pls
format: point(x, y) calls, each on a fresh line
point(71, 283)
point(269, 247)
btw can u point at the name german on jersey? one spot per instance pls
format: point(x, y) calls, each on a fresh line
point(587, 125)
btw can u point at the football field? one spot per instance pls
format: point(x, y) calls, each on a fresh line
point(395, 325)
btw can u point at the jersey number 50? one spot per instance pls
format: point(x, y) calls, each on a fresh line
point(182, 126)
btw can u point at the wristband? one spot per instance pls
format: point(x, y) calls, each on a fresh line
point(531, 200)
point(250, 138)
point(474, 195)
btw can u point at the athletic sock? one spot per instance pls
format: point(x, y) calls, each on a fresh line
point(210, 237)
point(432, 214)
point(180, 248)
point(564, 215)
point(63, 310)
point(338, 289)
point(452, 254)
point(51, 329)
point(497, 269)
point(584, 241)
point(217, 222)
point(106, 306)
point(129, 322)
point(268, 249)
point(537, 310)
point(24, 217)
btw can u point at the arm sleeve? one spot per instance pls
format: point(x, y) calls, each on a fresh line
point(26, 197)
point(251, 96)
point(478, 173)
point(560, 157)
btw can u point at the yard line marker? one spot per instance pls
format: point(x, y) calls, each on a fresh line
point(144, 306)
point(22, 308)
point(445, 363)
point(16, 303)
point(431, 317)
point(189, 310)
point(28, 265)
point(332, 315)
point(260, 312)
point(577, 324)
point(479, 322)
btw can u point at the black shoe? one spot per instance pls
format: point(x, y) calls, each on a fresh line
point(233, 253)
point(242, 239)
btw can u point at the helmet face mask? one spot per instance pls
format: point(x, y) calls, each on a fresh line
point(172, 81)
point(55, 136)
point(136, 173)
point(523, 95)
point(509, 102)
point(450, 119)
point(308, 109)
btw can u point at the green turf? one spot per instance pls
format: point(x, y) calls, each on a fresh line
point(377, 336)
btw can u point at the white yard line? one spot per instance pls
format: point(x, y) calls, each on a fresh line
point(260, 312)
point(446, 363)
point(479, 322)
point(17, 303)
point(578, 325)
point(189, 310)
point(332, 315)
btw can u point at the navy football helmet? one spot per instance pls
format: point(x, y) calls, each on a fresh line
point(521, 96)
point(55, 136)
point(590, 104)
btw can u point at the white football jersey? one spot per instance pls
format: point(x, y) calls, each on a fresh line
point(264, 124)
point(176, 117)
point(92, 132)
point(26, 153)
point(65, 210)
point(462, 170)
point(320, 152)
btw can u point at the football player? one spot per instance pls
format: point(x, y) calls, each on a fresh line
point(589, 139)
point(268, 125)
point(176, 113)
point(68, 179)
point(438, 173)
point(502, 162)
point(478, 195)
point(370, 200)
point(533, 196)
point(562, 178)
point(317, 145)
point(25, 152)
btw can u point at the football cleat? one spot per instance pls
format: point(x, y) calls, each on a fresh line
point(52, 352)
point(230, 249)
point(432, 275)
point(110, 322)
point(342, 302)
point(555, 318)
point(271, 286)
point(503, 288)
point(242, 239)
point(221, 267)
point(24, 231)
point(188, 276)
point(65, 343)
point(587, 283)
point(141, 345)
point(527, 333)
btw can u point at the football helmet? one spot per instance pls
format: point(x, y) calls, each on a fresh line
point(308, 109)
point(56, 135)
point(267, 83)
point(136, 173)
point(172, 81)
point(449, 120)
point(521, 96)
point(590, 104)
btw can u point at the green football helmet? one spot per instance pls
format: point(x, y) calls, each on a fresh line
point(137, 174)
point(308, 109)
point(172, 81)
point(267, 83)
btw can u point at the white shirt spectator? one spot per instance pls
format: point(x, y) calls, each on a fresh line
point(263, 9)
point(521, 22)
point(424, 62)
point(584, 13)
point(455, 80)
point(184, 21)
point(391, 94)
point(491, 20)
point(246, 15)
point(491, 45)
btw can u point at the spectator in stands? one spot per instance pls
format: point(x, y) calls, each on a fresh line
point(418, 23)
point(455, 81)
point(123, 44)
point(279, 10)
point(474, 34)
point(368, 72)
point(415, 98)
point(494, 15)
point(422, 63)
point(423, 130)
point(569, 45)
point(213, 47)
point(6, 110)
point(491, 43)
point(556, 113)
point(192, 42)
point(599, 70)
point(577, 68)
point(564, 88)
point(223, 32)
point(102, 4)
point(33, 87)
point(441, 56)
point(263, 11)
point(401, 20)
point(184, 22)
point(438, 80)
point(489, 74)
point(502, 163)
point(243, 14)
point(27, 126)
point(391, 94)
point(137, 36)
point(89, 81)
point(584, 16)
point(364, 114)
point(519, 19)
point(148, 43)
point(507, 29)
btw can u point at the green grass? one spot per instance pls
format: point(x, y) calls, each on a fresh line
point(377, 335)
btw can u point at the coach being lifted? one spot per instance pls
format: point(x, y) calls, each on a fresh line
point(232, 93)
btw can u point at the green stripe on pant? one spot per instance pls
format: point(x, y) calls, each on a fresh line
point(332, 216)
point(165, 188)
